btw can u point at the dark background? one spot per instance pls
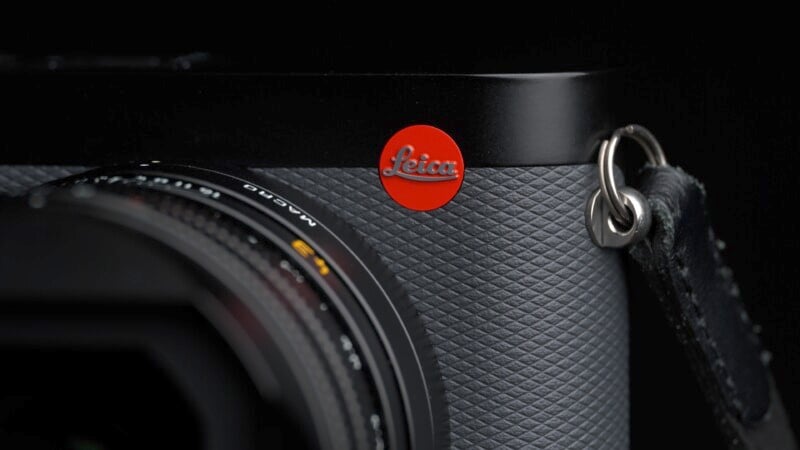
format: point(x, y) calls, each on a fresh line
point(719, 94)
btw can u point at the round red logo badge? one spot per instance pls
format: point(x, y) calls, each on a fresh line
point(421, 168)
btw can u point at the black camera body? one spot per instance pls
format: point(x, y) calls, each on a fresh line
point(487, 321)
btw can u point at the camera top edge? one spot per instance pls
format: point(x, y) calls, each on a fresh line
point(87, 113)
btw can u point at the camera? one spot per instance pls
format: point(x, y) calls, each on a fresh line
point(212, 259)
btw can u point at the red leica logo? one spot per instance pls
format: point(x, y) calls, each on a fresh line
point(421, 168)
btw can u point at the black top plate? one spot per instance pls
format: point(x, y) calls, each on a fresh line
point(267, 120)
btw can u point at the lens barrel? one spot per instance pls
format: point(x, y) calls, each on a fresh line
point(320, 328)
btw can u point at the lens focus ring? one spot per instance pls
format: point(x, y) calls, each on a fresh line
point(319, 323)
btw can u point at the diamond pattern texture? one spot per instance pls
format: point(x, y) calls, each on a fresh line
point(16, 180)
point(527, 316)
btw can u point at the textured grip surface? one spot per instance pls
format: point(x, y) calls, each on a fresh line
point(15, 180)
point(528, 317)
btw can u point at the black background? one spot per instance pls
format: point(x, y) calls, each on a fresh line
point(719, 93)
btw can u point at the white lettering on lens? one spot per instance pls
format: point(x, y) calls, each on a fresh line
point(281, 203)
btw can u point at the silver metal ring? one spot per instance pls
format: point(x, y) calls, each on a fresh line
point(605, 162)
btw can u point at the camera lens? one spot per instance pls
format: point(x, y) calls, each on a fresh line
point(170, 306)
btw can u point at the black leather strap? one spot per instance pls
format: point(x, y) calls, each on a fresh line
point(681, 260)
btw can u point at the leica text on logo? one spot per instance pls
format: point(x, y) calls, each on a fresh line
point(422, 169)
